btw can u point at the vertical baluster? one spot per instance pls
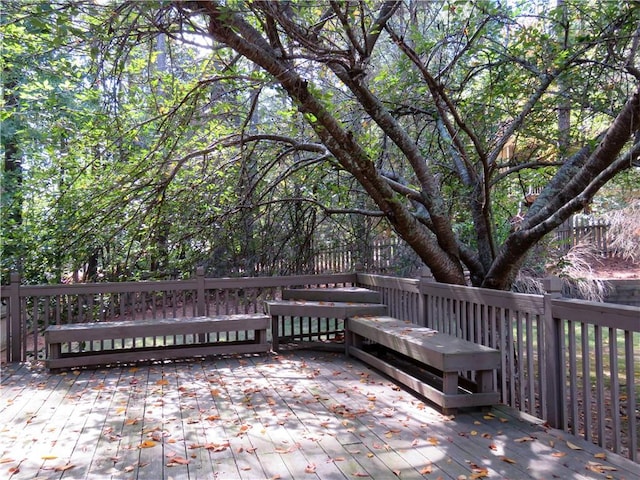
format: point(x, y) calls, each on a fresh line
point(614, 388)
point(599, 376)
point(573, 381)
point(586, 383)
point(531, 374)
point(632, 421)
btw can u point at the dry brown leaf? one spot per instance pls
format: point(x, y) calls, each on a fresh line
point(573, 446)
point(426, 470)
point(148, 444)
point(523, 439)
point(64, 468)
point(601, 456)
point(432, 441)
point(49, 457)
point(600, 468)
point(559, 454)
point(310, 468)
point(507, 460)
point(360, 474)
point(175, 460)
point(162, 381)
point(6, 460)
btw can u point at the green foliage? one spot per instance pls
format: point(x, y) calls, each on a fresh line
point(147, 148)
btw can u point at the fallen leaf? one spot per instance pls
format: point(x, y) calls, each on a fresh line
point(148, 444)
point(6, 460)
point(64, 468)
point(559, 454)
point(426, 470)
point(49, 457)
point(432, 441)
point(310, 468)
point(601, 456)
point(360, 474)
point(523, 439)
point(507, 460)
point(600, 468)
point(162, 381)
point(175, 460)
point(573, 446)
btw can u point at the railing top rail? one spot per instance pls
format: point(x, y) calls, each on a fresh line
point(169, 285)
point(406, 284)
point(608, 315)
point(495, 298)
point(279, 281)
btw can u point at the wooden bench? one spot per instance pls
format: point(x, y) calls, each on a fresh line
point(432, 356)
point(102, 343)
point(338, 294)
point(303, 309)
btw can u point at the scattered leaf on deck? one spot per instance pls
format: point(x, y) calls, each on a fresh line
point(559, 454)
point(432, 441)
point(148, 444)
point(600, 468)
point(310, 468)
point(217, 447)
point(601, 456)
point(64, 468)
point(360, 474)
point(162, 381)
point(523, 439)
point(177, 461)
point(426, 470)
point(6, 460)
point(573, 446)
point(49, 457)
point(507, 460)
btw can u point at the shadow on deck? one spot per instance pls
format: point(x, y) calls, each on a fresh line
point(295, 415)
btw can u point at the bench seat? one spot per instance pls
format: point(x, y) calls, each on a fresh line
point(339, 311)
point(101, 343)
point(446, 354)
point(338, 294)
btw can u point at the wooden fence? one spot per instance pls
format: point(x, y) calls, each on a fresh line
point(575, 364)
point(576, 231)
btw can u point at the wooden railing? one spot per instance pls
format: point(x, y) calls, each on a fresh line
point(575, 364)
point(32, 308)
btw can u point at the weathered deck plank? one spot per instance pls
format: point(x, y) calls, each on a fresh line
point(296, 415)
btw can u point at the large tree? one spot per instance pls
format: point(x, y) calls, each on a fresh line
point(418, 101)
point(436, 116)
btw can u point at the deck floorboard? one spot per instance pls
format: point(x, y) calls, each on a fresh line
point(297, 415)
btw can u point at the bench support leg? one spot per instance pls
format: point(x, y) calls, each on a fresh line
point(275, 333)
point(485, 381)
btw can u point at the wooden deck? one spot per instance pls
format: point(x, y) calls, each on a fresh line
point(299, 415)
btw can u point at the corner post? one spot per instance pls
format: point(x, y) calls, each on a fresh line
point(554, 362)
point(200, 293)
point(426, 277)
point(14, 330)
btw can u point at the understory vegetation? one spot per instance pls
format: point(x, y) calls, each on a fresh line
point(143, 139)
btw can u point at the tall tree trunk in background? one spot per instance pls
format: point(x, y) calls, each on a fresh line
point(564, 103)
point(160, 258)
point(12, 176)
